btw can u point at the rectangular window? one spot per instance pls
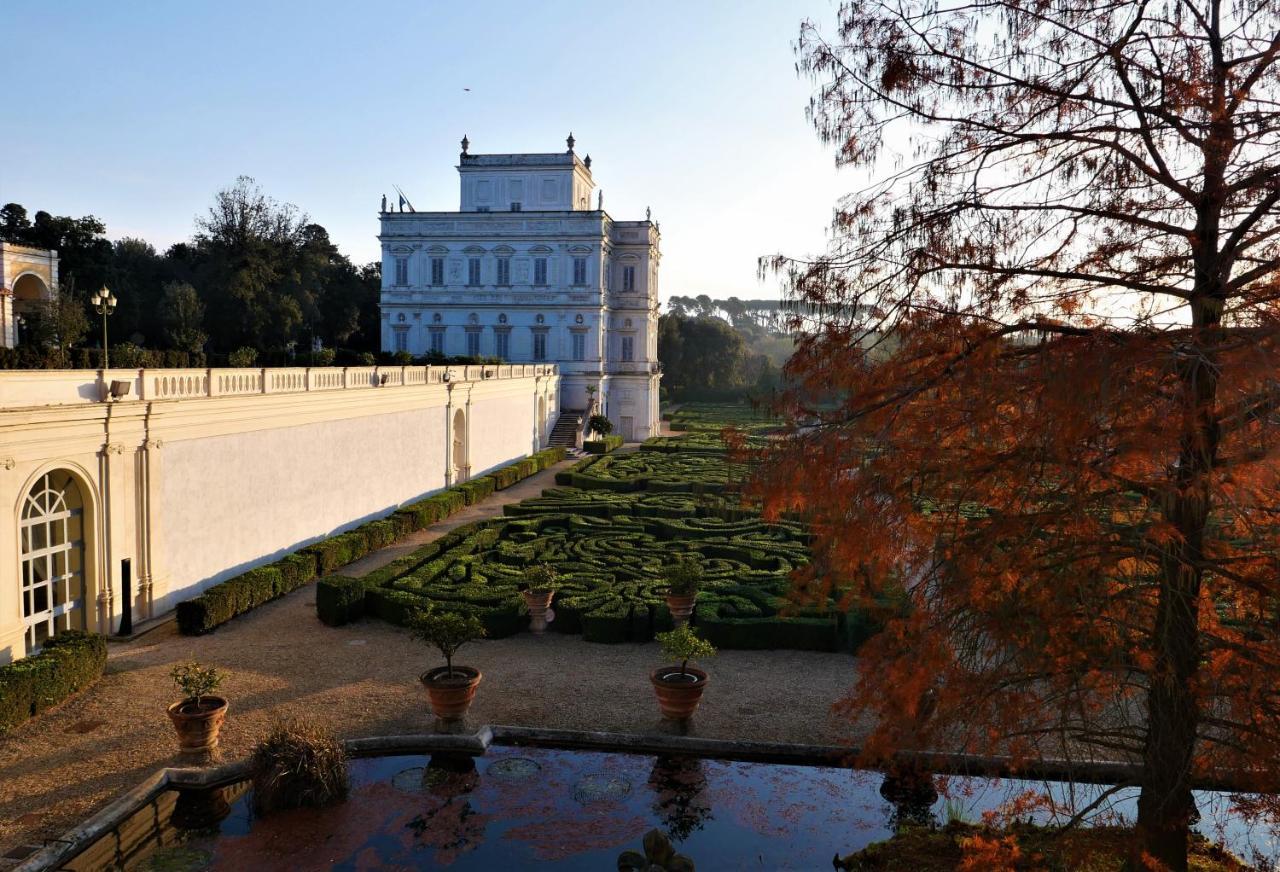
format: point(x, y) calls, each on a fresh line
point(579, 270)
point(539, 270)
point(437, 341)
point(473, 271)
point(515, 207)
point(628, 278)
point(504, 270)
point(502, 344)
point(402, 340)
point(539, 346)
point(437, 270)
point(402, 271)
point(628, 347)
point(579, 346)
point(482, 208)
point(473, 343)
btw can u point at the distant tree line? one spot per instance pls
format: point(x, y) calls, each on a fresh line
point(717, 349)
point(257, 274)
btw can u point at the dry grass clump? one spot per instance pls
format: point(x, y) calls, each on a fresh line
point(299, 764)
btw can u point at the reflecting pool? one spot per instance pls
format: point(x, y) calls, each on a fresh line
point(531, 808)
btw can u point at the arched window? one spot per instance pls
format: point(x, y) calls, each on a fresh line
point(52, 555)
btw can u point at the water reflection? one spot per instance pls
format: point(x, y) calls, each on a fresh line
point(449, 822)
point(200, 809)
point(680, 798)
point(912, 794)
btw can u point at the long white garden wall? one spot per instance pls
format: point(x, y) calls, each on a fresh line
point(194, 475)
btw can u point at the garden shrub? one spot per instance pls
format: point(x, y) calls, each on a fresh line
point(68, 663)
point(602, 446)
point(340, 599)
point(477, 489)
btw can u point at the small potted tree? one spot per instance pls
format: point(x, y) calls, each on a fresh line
point(198, 716)
point(539, 587)
point(684, 580)
point(679, 688)
point(451, 688)
point(600, 425)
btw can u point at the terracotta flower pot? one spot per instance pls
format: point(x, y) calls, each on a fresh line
point(681, 607)
point(451, 695)
point(539, 604)
point(198, 724)
point(678, 696)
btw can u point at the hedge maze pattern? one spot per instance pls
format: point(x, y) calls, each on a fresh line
point(610, 536)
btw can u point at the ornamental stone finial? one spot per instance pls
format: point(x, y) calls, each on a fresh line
point(569, 142)
point(587, 162)
point(466, 143)
point(600, 200)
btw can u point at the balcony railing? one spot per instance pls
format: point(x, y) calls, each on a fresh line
point(20, 388)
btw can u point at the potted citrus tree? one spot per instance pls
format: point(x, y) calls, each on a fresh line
point(538, 588)
point(198, 716)
point(451, 688)
point(684, 580)
point(679, 687)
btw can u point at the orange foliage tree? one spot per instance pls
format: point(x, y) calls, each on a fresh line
point(1047, 345)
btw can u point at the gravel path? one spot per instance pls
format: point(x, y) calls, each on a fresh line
point(361, 680)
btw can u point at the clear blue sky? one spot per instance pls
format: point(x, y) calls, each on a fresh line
point(137, 112)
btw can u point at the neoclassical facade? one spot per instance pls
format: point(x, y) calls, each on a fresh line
point(531, 270)
point(28, 280)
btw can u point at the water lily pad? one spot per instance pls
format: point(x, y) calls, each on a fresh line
point(600, 788)
point(515, 769)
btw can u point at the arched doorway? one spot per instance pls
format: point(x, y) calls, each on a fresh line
point(459, 446)
point(51, 537)
point(30, 294)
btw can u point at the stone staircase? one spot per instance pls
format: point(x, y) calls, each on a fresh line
point(565, 433)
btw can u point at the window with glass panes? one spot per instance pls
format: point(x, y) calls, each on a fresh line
point(579, 270)
point(473, 343)
point(540, 345)
point(628, 347)
point(51, 554)
point(437, 340)
point(628, 278)
point(473, 271)
point(402, 339)
point(502, 344)
point(579, 346)
point(504, 270)
point(402, 271)
point(437, 270)
point(539, 270)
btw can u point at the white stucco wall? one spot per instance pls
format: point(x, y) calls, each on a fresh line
point(264, 492)
point(501, 430)
point(196, 475)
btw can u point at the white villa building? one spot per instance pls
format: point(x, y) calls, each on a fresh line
point(528, 272)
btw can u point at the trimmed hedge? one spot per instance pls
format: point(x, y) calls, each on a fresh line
point(602, 446)
point(69, 662)
point(610, 535)
point(339, 599)
point(247, 591)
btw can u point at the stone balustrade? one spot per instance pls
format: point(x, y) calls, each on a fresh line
point(24, 388)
